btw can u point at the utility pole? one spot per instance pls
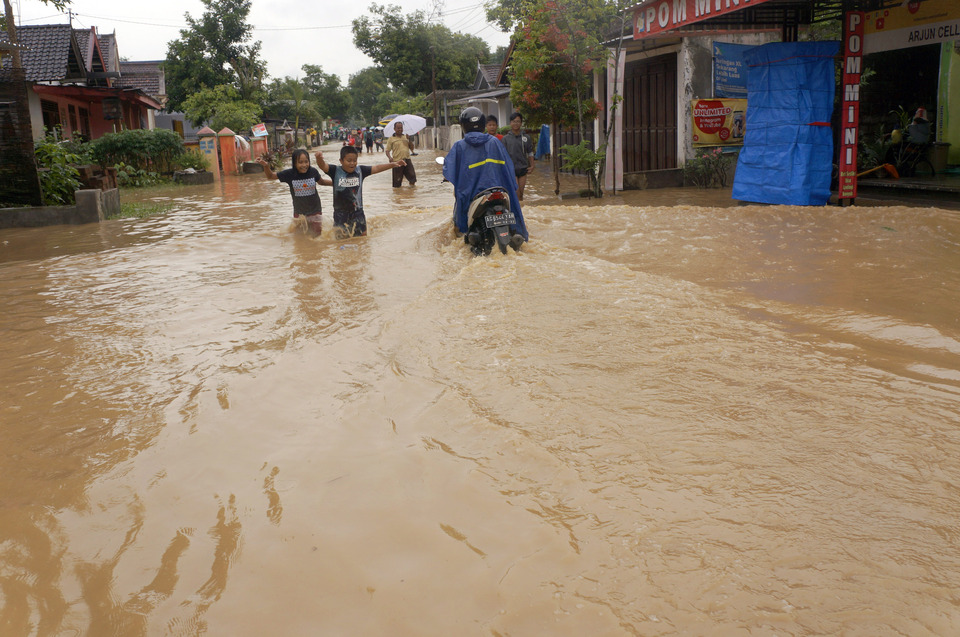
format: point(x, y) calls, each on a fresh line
point(12, 34)
point(433, 81)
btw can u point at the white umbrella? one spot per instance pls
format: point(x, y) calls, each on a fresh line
point(412, 124)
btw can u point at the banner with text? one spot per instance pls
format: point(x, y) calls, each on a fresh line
point(719, 122)
point(914, 23)
point(657, 16)
point(729, 74)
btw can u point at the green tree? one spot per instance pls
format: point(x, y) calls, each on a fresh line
point(332, 100)
point(366, 87)
point(409, 50)
point(222, 107)
point(559, 44)
point(400, 103)
point(505, 13)
point(214, 50)
point(291, 99)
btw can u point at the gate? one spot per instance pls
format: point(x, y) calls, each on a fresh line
point(650, 114)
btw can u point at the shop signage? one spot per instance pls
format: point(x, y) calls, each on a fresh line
point(718, 122)
point(729, 72)
point(657, 16)
point(259, 130)
point(853, 29)
point(913, 23)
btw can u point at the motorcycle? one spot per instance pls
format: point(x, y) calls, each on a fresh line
point(489, 221)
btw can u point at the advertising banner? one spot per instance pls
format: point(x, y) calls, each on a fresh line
point(729, 75)
point(718, 122)
point(259, 130)
point(913, 23)
point(657, 16)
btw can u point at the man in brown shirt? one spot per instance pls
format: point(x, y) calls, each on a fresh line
point(399, 148)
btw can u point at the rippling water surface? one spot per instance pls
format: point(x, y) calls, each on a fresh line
point(668, 415)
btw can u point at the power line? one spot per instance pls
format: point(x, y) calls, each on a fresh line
point(184, 26)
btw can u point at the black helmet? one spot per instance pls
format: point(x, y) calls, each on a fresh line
point(472, 120)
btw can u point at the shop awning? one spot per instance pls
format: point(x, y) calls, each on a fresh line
point(654, 18)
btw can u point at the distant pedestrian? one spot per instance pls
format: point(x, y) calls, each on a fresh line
point(399, 148)
point(378, 139)
point(368, 140)
point(492, 126)
point(520, 148)
point(302, 179)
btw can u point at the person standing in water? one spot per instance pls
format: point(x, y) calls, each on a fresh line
point(399, 148)
point(520, 147)
point(492, 126)
point(302, 178)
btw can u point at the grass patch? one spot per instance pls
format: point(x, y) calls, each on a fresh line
point(141, 209)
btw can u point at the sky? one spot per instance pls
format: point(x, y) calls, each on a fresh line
point(290, 37)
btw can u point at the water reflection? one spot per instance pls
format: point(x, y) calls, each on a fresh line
point(654, 419)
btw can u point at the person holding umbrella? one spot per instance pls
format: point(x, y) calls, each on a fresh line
point(399, 149)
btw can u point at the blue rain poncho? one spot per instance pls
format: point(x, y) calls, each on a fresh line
point(477, 162)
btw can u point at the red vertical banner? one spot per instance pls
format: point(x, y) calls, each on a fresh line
point(853, 23)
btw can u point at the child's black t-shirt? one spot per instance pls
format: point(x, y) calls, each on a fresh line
point(303, 189)
point(347, 187)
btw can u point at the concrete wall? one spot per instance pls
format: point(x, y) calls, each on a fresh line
point(695, 79)
point(92, 206)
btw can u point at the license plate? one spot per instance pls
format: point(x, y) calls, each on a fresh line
point(505, 219)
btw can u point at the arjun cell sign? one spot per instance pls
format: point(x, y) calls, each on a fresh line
point(718, 122)
point(657, 16)
point(913, 23)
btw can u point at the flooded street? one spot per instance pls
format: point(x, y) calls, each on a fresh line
point(669, 415)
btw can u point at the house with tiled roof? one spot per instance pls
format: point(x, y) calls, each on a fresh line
point(108, 48)
point(491, 92)
point(70, 83)
point(148, 76)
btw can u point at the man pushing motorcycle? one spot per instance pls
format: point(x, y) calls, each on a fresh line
point(477, 162)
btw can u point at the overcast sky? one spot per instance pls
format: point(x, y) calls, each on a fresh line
point(290, 37)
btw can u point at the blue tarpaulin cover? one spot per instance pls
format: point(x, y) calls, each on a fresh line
point(543, 144)
point(787, 155)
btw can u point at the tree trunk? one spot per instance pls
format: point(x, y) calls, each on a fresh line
point(12, 33)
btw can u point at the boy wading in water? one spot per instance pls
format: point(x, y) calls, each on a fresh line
point(348, 217)
point(302, 179)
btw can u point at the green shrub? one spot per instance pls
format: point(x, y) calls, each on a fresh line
point(584, 159)
point(191, 159)
point(59, 177)
point(134, 177)
point(154, 150)
point(708, 168)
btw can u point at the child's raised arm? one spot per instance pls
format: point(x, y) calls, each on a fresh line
point(379, 168)
point(267, 171)
point(321, 162)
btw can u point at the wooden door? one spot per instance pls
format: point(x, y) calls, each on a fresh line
point(650, 114)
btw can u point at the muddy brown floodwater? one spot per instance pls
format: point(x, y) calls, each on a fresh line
point(669, 415)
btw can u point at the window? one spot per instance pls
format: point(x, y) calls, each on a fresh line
point(51, 114)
